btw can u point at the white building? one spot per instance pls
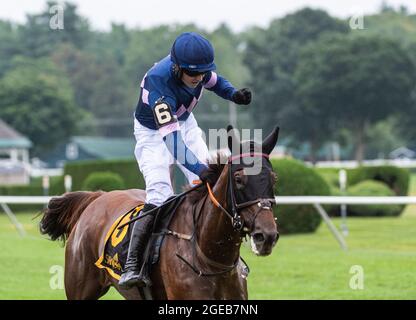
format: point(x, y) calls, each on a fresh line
point(402, 153)
point(14, 156)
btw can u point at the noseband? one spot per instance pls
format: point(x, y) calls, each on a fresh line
point(234, 215)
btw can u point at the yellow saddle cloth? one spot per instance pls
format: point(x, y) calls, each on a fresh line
point(116, 245)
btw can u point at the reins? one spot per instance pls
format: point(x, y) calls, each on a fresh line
point(234, 216)
point(151, 211)
point(197, 251)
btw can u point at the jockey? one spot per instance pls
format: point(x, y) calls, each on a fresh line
point(166, 132)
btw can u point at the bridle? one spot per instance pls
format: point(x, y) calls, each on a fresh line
point(234, 215)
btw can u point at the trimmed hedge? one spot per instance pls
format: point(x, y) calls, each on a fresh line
point(127, 169)
point(295, 179)
point(396, 178)
point(105, 181)
point(330, 175)
point(372, 188)
point(33, 189)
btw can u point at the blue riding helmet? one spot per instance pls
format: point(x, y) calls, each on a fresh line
point(191, 51)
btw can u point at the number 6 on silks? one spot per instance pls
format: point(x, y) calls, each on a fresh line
point(163, 114)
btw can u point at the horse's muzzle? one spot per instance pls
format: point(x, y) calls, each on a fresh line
point(262, 242)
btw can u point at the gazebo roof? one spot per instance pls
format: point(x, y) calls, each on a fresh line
point(105, 147)
point(10, 138)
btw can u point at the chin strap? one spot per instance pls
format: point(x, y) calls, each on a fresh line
point(178, 72)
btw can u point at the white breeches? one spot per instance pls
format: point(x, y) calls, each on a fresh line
point(154, 158)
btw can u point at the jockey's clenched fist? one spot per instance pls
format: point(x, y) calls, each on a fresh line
point(242, 96)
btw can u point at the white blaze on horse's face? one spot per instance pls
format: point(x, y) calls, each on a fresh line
point(254, 247)
point(264, 235)
point(258, 217)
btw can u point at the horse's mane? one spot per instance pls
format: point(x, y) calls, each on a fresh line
point(214, 172)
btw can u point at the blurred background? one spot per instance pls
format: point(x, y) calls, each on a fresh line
point(339, 78)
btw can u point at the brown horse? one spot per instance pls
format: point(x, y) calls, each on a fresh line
point(207, 266)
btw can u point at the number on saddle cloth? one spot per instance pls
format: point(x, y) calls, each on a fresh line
point(117, 240)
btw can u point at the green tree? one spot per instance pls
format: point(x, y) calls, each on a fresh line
point(40, 40)
point(272, 56)
point(383, 137)
point(9, 44)
point(37, 100)
point(97, 84)
point(397, 25)
point(213, 111)
point(110, 45)
point(401, 26)
point(355, 80)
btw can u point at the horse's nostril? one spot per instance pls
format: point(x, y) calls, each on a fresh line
point(258, 237)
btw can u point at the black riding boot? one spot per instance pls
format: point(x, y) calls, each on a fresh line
point(134, 274)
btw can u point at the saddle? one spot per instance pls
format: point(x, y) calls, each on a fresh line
point(114, 255)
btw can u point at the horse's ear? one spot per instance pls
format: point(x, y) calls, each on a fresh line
point(233, 140)
point(270, 141)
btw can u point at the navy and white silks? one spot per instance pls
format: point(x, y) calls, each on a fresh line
point(157, 147)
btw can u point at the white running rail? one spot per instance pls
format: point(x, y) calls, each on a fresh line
point(316, 201)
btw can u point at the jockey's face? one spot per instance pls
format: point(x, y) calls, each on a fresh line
point(192, 81)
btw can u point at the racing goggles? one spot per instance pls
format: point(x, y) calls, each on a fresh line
point(193, 73)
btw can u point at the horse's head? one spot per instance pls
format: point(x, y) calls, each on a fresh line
point(251, 179)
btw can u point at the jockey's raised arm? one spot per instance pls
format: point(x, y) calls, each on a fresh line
point(167, 132)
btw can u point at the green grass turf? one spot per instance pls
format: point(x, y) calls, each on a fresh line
point(308, 266)
point(411, 209)
point(301, 267)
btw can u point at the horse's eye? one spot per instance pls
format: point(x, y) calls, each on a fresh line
point(239, 179)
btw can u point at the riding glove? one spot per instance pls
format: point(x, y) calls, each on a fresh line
point(242, 96)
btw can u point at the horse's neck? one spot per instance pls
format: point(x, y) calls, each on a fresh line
point(217, 238)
